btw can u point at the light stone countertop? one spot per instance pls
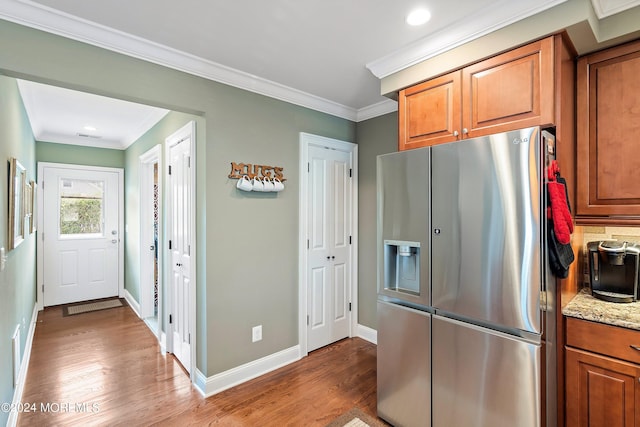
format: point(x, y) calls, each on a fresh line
point(584, 306)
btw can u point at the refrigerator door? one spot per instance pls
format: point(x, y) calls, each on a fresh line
point(404, 365)
point(486, 230)
point(404, 231)
point(483, 377)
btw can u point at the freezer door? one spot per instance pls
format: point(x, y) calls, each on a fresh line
point(486, 235)
point(403, 202)
point(483, 378)
point(404, 365)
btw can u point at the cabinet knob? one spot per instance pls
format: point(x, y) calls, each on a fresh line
point(635, 347)
point(465, 131)
point(455, 133)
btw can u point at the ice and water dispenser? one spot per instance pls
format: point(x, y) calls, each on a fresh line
point(402, 267)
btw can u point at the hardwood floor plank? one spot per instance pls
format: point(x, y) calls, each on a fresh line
point(109, 364)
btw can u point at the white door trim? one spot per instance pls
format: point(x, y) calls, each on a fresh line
point(40, 214)
point(145, 170)
point(187, 131)
point(307, 140)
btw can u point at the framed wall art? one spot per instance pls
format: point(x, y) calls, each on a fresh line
point(32, 202)
point(17, 183)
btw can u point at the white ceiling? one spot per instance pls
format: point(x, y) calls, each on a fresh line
point(72, 117)
point(323, 54)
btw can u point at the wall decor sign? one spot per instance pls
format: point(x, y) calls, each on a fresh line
point(238, 170)
point(17, 184)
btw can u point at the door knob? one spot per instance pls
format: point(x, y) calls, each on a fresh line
point(328, 257)
point(333, 257)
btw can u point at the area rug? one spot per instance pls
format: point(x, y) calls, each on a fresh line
point(356, 418)
point(70, 310)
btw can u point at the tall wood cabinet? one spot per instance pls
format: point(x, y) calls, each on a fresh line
point(602, 375)
point(608, 125)
point(509, 91)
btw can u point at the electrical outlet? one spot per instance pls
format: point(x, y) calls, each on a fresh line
point(256, 333)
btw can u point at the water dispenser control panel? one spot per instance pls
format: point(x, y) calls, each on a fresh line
point(402, 266)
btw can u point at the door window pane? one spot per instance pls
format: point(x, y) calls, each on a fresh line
point(81, 206)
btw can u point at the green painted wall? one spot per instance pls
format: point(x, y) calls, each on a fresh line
point(247, 243)
point(77, 155)
point(375, 136)
point(18, 280)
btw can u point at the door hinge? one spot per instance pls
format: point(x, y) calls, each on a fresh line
point(189, 339)
point(349, 239)
point(43, 287)
point(169, 169)
point(169, 244)
point(349, 306)
point(307, 320)
point(42, 185)
point(308, 167)
point(350, 173)
point(307, 243)
point(170, 319)
point(189, 165)
point(43, 237)
point(188, 249)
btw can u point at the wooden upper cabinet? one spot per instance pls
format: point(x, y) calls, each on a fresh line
point(429, 113)
point(608, 129)
point(509, 91)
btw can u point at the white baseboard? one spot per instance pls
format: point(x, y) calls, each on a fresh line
point(208, 386)
point(368, 334)
point(135, 306)
point(24, 365)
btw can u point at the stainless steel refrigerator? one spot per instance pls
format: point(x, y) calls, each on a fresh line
point(466, 319)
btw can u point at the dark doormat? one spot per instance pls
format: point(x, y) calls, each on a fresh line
point(88, 306)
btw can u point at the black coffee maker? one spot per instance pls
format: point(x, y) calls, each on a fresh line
point(613, 270)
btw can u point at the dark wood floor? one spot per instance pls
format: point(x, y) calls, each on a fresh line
point(108, 364)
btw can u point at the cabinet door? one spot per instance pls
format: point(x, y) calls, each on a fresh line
point(509, 91)
point(601, 391)
point(608, 125)
point(429, 113)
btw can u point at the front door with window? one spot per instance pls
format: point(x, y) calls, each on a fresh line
point(81, 234)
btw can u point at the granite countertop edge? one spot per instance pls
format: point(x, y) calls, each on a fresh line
point(585, 306)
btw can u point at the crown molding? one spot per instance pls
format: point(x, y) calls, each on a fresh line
point(381, 108)
point(40, 17)
point(606, 8)
point(492, 18)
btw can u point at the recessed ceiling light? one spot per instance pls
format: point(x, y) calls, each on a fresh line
point(90, 128)
point(418, 17)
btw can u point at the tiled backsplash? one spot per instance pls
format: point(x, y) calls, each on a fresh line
point(597, 233)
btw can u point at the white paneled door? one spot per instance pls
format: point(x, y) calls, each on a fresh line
point(329, 255)
point(180, 200)
point(81, 233)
